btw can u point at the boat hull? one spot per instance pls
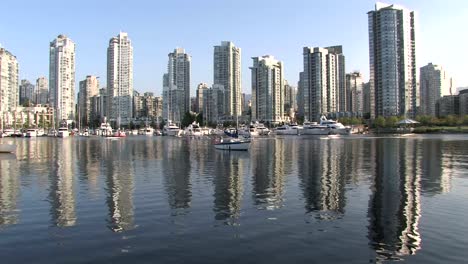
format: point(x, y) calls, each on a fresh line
point(241, 146)
point(315, 131)
point(7, 148)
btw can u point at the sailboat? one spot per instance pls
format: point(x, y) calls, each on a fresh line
point(233, 142)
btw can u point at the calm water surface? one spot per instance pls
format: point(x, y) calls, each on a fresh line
point(287, 200)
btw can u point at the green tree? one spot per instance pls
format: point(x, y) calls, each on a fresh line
point(379, 122)
point(391, 121)
point(199, 119)
point(188, 119)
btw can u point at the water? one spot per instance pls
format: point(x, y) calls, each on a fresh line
point(287, 200)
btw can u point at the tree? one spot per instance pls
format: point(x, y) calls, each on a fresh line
point(379, 122)
point(199, 118)
point(391, 121)
point(188, 119)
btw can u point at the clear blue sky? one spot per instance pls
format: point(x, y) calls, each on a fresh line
point(276, 27)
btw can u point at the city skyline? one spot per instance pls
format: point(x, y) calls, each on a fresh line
point(435, 22)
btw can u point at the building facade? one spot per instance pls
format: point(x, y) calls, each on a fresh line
point(120, 78)
point(176, 86)
point(434, 83)
point(448, 105)
point(355, 94)
point(267, 89)
point(199, 99)
point(214, 104)
point(42, 91)
point(227, 72)
point(322, 81)
point(62, 77)
point(463, 99)
point(9, 81)
point(89, 88)
point(26, 92)
point(392, 57)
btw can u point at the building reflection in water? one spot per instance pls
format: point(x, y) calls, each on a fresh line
point(176, 169)
point(61, 177)
point(228, 185)
point(88, 163)
point(435, 167)
point(394, 207)
point(120, 185)
point(269, 163)
point(322, 176)
point(9, 190)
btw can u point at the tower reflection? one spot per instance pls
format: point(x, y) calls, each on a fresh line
point(9, 189)
point(62, 191)
point(394, 207)
point(322, 177)
point(228, 185)
point(120, 185)
point(270, 163)
point(176, 169)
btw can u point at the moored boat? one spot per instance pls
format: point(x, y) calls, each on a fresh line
point(7, 148)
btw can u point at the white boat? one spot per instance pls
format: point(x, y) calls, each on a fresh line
point(105, 130)
point(52, 133)
point(233, 144)
point(171, 129)
point(206, 131)
point(9, 132)
point(262, 130)
point(134, 132)
point(31, 133)
point(40, 132)
point(119, 133)
point(147, 131)
point(292, 129)
point(63, 132)
point(253, 130)
point(7, 148)
point(193, 130)
point(335, 127)
point(312, 128)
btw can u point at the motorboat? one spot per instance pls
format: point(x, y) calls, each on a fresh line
point(205, 131)
point(335, 127)
point(40, 132)
point(119, 133)
point(52, 133)
point(292, 129)
point(313, 128)
point(9, 132)
point(193, 130)
point(31, 133)
point(7, 148)
point(147, 131)
point(63, 132)
point(105, 130)
point(171, 129)
point(253, 130)
point(262, 130)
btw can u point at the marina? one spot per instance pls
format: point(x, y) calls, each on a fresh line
point(335, 192)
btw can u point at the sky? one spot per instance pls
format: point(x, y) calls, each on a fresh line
point(274, 27)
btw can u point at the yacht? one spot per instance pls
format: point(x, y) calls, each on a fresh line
point(171, 129)
point(52, 133)
point(253, 130)
point(262, 130)
point(292, 129)
point(9, 132)
point(40, 132)
point(63, 132)
point(105, 129)
point(313, 128)
point(147, 131)
point(335, 127)
point(193, 130)
point(31, 133)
